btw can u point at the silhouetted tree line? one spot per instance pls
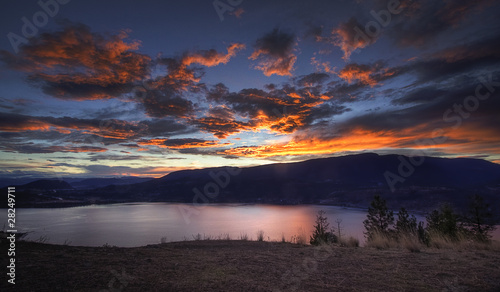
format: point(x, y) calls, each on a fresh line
point(476, 223)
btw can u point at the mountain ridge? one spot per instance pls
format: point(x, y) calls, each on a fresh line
point(349, 180)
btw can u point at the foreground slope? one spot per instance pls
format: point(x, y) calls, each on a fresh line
point(250, 266)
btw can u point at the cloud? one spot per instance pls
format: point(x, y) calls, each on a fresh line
point(435, 119)
point(184, 143)
point(238, 12)
point(165, 95)
point(426, 20)
point(211, 58)
point(166, 102)
point(77, 64)
point(17, 130)
point(349, 37)
point(281, 110)
point(367, 74)
point(117, 129)
point(420, 95)
point(275, 53)
point(221, 127)
point(30, 148)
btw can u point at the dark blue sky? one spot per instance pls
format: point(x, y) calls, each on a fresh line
point(102, 88)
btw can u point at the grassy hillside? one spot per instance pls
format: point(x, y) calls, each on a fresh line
point(250, 266)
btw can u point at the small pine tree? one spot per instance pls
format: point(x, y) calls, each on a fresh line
point(406, 224)
point(321, 234)
point(443, 221)
point(423, 235)
point(379, 218)
point(479, 219)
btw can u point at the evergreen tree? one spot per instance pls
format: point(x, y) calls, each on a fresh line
point(378, 219)
point(321, 233)
point(423, 235)
point(479, 219)
point(443, 221)
point(406, 224)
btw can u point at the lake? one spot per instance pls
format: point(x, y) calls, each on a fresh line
point(139, 224)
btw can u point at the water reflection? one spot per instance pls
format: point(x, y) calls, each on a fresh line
point(130, 225)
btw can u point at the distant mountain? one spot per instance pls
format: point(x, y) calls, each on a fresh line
point(353, 180)
point(55, 193)
point(46, 184)
point(92, 183)
point(348, 180)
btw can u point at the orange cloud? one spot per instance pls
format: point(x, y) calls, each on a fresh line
point(348, 36)
point(281, 66)
point(366, 74)
point(359, 139)
point(76, 149)
point(186, 143)
point(212, 57)
point(238, 12)
point(322, 66)
point(221, 127)
point(274, 53)
point(78, 64)
point(116, 129)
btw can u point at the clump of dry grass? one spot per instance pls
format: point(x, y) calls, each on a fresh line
point(300, 238)
point(461, 242)
point(243, 236)
point(381, 241)
point(410, 242)
point(349, 242)
point(385, 241)
point(260, 235)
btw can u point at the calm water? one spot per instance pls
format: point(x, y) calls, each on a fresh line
point(129, 225)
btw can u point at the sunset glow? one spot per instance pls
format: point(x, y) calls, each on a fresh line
point(150, 88)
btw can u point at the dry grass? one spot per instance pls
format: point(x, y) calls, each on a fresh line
point(462, 242)
point(349, 242)
point(300, 238)
point(381, 241)
point(260, 235)
point(411, 243)
point(243, 236)
point(220, 265)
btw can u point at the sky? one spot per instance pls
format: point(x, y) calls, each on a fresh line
point(144, 88)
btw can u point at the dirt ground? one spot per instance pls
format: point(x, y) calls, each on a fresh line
point(248, 266)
